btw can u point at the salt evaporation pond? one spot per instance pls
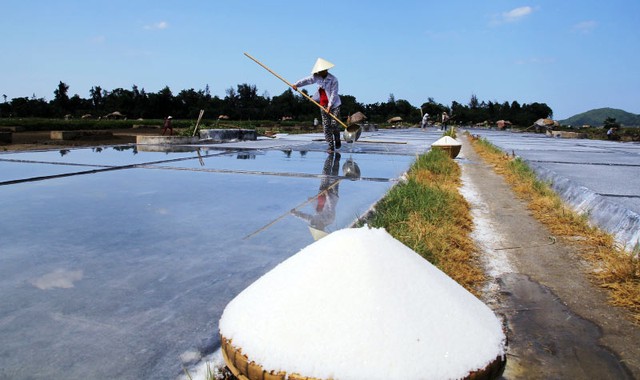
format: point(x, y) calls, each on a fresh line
point(123, 272)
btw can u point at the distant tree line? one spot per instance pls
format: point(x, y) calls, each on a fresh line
point(244, 103)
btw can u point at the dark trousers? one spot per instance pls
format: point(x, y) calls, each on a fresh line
point(330, 128)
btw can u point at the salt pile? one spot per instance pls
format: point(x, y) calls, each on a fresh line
point(359, 304)
point(446, 141)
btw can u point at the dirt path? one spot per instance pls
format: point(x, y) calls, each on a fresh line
point(559, 324)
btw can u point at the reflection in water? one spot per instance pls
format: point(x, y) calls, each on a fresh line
point(351, 170)
point(167, 148)
point(324, 211)
point(200, 159)
point(326, 201)
point(59, 278)
point(134, 148)
point(246, 156)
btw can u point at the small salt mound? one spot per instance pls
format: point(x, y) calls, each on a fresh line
point(359, 304)
point(446, 141)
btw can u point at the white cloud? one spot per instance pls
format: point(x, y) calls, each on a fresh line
point(585, 27)
point(516, 14)
point(157, 26)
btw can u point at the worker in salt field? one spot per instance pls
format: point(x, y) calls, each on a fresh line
point(425, 121)
point(612, 135)
point(445, 119)
point(327, 96)
point(326, 200)
point(167, 125)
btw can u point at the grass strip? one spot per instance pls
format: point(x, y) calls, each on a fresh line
point(428, 214)
point(612, 267)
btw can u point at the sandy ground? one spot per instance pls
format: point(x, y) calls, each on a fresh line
point(559, 324)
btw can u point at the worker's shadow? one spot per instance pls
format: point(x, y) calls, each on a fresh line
point(326, 201)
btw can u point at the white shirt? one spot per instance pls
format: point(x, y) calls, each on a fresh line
point(329, 84)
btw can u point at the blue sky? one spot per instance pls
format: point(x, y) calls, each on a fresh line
point(572, 55)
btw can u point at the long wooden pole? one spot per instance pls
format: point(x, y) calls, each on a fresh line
point(301, 93)
point(197, 122)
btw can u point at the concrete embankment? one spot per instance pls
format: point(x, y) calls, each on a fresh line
point(623, 223)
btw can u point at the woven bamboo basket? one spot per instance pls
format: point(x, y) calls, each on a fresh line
point(452, 150)
point(244, 368)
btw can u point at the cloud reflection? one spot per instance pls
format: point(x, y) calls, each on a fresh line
point(59, 278)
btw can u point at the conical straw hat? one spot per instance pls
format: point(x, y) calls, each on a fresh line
point(321, 64)
point(317, 234)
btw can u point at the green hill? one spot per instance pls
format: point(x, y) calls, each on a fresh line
point(597, 117)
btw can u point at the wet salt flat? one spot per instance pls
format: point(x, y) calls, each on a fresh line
point(117, 262)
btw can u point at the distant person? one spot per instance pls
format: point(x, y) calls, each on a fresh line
point(445, 119)
point(327, 96)
point(425, 121)
point(167, 125)
point(612, 135)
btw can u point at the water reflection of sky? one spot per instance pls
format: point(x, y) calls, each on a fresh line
point(115, 274)
point(25, 165)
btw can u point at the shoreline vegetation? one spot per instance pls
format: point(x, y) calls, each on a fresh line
point(244, 102)
point(43, 124)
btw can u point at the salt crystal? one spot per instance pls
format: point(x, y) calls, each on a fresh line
point(360, 304)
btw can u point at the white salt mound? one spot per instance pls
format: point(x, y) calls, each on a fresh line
point(359, 304)
point(446, 141)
